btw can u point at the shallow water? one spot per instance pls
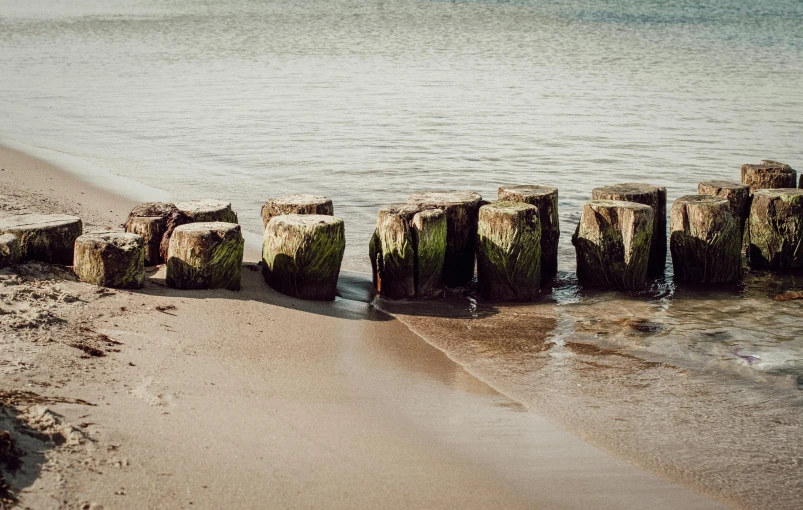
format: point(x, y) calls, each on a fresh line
point(367, 101)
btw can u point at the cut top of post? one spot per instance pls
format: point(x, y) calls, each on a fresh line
point(784, 194)
point(722, 185)
point(122, 240)
point(625, 190)
point(304, 220)
point(507, 207)
point(526, 191)
point(443, 199)
point(23, 221)
point(300, 199)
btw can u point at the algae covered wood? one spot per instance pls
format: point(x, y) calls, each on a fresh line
point(207, 210)
point(776, 228)
point(296, 204)
point(394, 271)
point(769, 175)
point(10, 250)
point(152, 229)
point(509, 251)
point(461, 209)
point(110, 259)
point(545, 199)
point(44, 237)
point(143, 220)
point(205, 255)
point(301, 255)
point(653, 196)
point(705, 240)
point(429, 238)
point(613, 243)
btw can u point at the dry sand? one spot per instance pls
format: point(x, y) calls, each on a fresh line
point(214, 399)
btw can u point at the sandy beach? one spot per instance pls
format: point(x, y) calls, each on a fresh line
point(207, 399)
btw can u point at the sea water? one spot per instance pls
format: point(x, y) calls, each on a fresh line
point(366, 101)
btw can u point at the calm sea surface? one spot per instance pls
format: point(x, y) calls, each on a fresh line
point(367, 101)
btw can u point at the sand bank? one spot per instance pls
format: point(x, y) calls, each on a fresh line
point(166, 399)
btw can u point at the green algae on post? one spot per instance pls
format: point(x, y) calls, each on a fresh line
point(10, 250)
point(44, 237)
point(429, 237)
point(207, 210)
point(776, 228)
point(653, 196)
point(296, 204)
point(705, 240)
point(461, 209)
point(110, 259)
point(509, 251)
point(301, 255)
point(206, 255)
point(545, 198)
point(395, 274)
point(613, 243)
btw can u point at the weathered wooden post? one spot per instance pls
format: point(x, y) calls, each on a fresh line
point(705, 240)
point(205, 255)
point(429, 238)
point(545, 199)
point(393, 253)
point(461, 209)
point(206, 210)
point(768, 175)
point(10, 250)
point(155, 222)
point(110, 259)
point(613, 243)
point(653, 196)
point(296, 204)
point(737, 195)
point(302, 253)
point(509, 251)
point(776, 228)
point(44, 237)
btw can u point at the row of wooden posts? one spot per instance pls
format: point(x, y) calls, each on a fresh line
point(437, 239)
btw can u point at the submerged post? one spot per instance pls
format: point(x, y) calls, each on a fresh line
point(461, 209)
point(509, 251)
point(653, 196)
point(296, 204)
point(44, 237)
point(205, 255)
point(545, 199)
point(776, 228)
point(705, 240)
point(613, 243)
point(769, 175)
point(110, 259)
point(301, 255)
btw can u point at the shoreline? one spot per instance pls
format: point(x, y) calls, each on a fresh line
point(324, 404)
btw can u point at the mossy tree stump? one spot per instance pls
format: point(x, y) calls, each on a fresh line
point(653, 196)
point(44, 237)
point(545, 199)
point(301, 255)
point(461, 209)
point(429, 238)
point(199, 211)
point(155, 222)
point(705, 240)
point(205, 255)
point(769, 175)
point(776, 228)
point(296, 204)
point(509, 251)
point(392, 251)
point(10, 251)
point(110, 259)
point(613, 243)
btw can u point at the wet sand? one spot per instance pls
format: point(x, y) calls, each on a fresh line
point(252, 399)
